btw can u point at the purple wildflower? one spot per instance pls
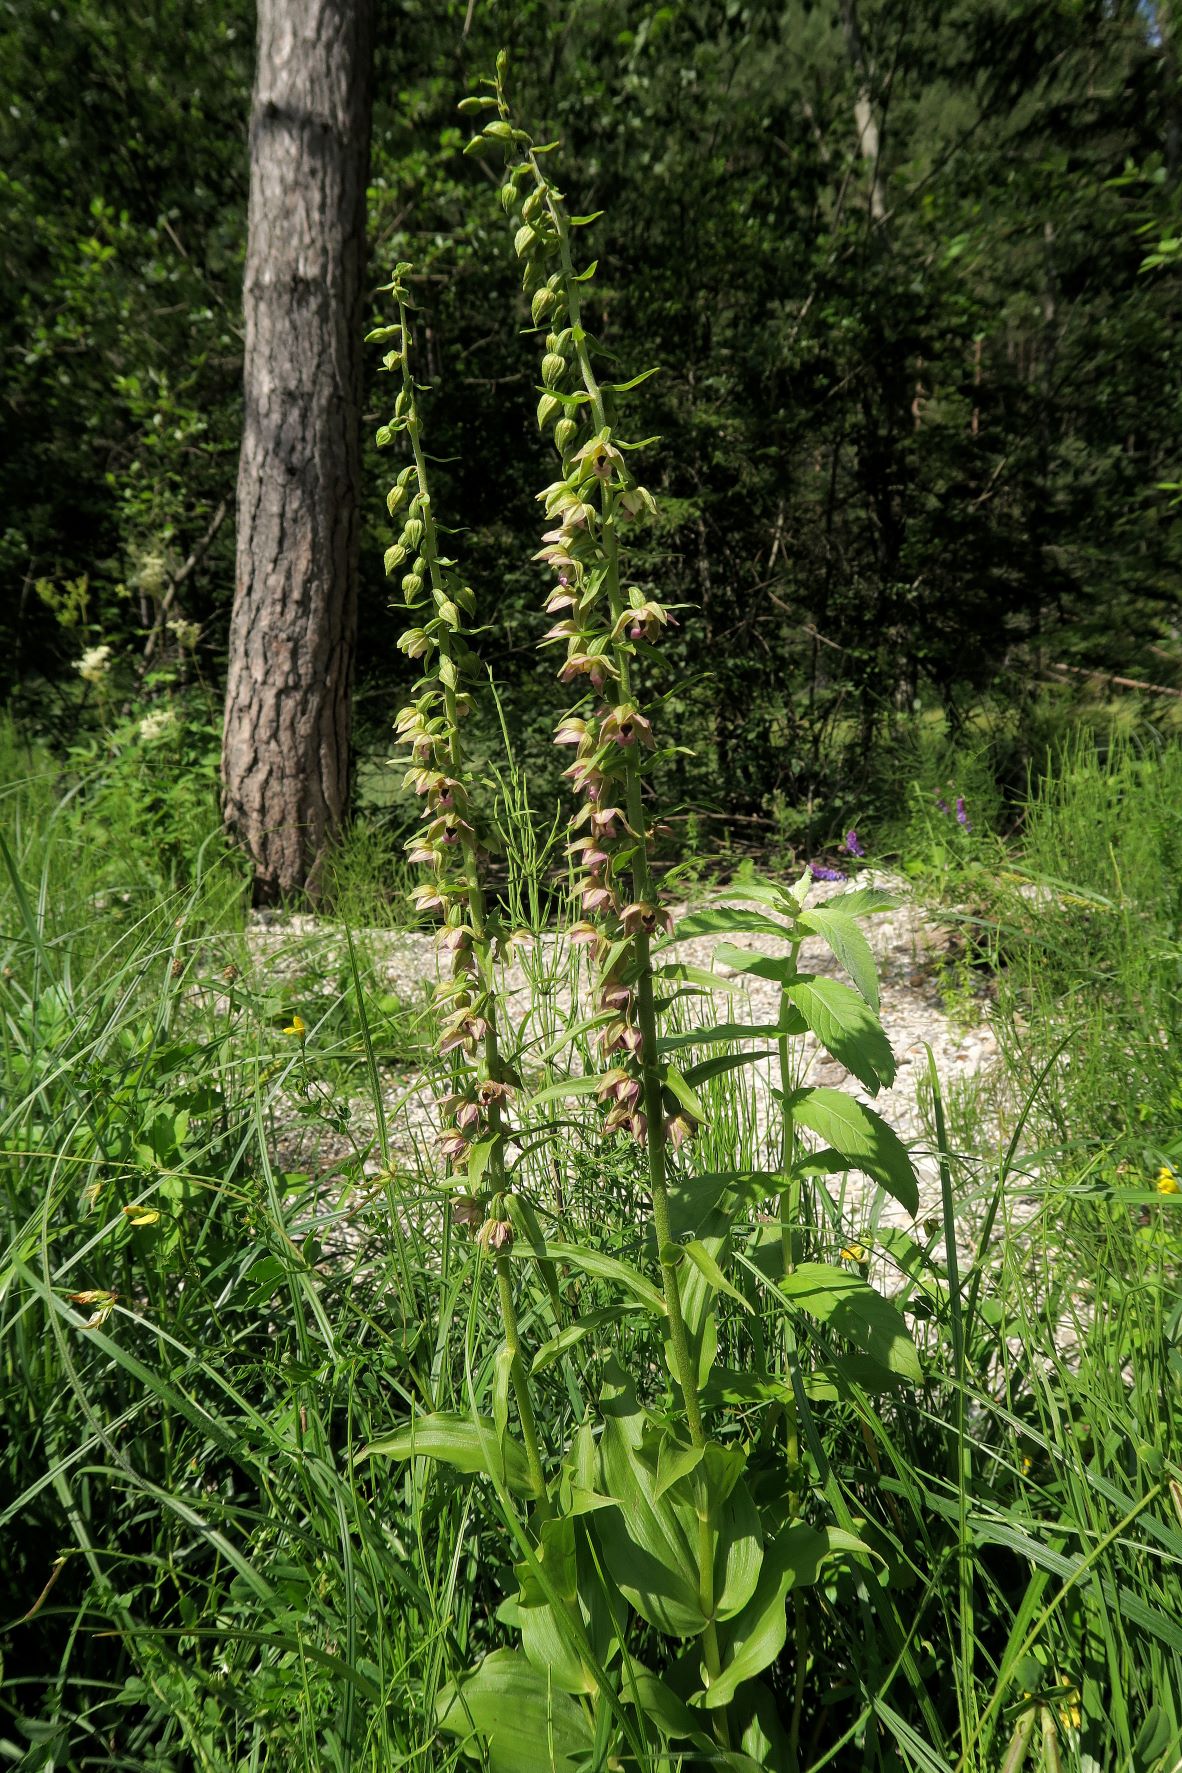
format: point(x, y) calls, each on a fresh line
point(819, 873)
point(962, 818)
point(943, 806)
point(852, 844)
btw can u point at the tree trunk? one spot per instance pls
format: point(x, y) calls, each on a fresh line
point(865, 123)
point(285, 751)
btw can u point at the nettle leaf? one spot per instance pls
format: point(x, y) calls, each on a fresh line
point(850, 1305)
point(848, 945)
point(862, 902)
point(779, 898)
point(697, 976)
point(727, 920)
point(525, 1723)
point(469, 1444)
point(862, 1137)
point(846, 1027)
point(760, 966)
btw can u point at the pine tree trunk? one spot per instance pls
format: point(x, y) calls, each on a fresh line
point(285, 751)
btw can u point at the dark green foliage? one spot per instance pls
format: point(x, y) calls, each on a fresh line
point(909, 458)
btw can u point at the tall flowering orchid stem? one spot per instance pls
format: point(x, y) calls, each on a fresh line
point(606, 627)
point(474, 1129)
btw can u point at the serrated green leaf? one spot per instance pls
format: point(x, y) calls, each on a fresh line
point(692, 975)
point(862, 902)
point(847, 1027)
point(760, 966)
point(861, 1136)
point(848, 945)
point(726, 920)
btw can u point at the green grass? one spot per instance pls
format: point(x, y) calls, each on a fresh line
point(197, 1572)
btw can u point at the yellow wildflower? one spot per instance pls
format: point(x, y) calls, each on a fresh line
point(141, 1215)
point(297, 1026)
point(855, 1253)
point(1167, 1181)
point(1070, 1715)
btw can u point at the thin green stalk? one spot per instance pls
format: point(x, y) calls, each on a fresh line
point(482, 948)
point(525, 1410)
point(642, 883)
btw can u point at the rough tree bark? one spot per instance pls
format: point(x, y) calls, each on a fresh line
point(293, 630)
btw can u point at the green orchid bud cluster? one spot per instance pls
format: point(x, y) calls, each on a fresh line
point(450, 842)
point(604, 630)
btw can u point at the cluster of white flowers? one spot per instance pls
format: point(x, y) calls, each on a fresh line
point(94, 664)
point(187, 633)
point(156, 724)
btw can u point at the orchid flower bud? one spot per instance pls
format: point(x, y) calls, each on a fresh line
point(454, 1147)
point(496, 1235)
point(680, 1128)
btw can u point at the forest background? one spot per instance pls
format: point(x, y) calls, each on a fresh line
point(910, 275)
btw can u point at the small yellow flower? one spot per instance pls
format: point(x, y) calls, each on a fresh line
point(297, 1026)
point(1167, 1181)
point(855, 1253)
point(141, 1215)
point(1027, 1465)
point(1070, 1715)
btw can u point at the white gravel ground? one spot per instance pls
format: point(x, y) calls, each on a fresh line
point(907, 943)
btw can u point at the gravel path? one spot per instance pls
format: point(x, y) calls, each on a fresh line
point(908, 946)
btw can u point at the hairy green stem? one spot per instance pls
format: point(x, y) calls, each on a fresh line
point(646, 1014)
point(483, 950)
point(520, 1382)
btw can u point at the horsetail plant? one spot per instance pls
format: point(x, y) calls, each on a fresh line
point(673, 1535)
